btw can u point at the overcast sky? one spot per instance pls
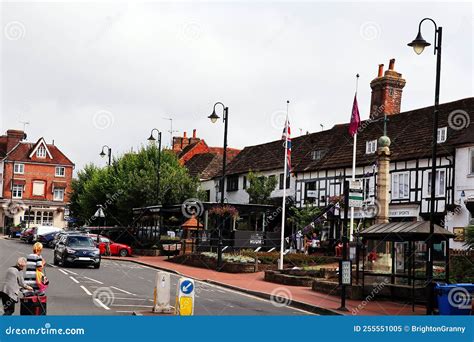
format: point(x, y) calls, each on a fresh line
point(89, 74)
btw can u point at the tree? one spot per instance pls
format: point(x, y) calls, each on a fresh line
point(301, 217)
point(260, 188)
point(131, 182)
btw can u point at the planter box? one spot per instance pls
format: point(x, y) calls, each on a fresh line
point(146, 252)
point(198, 260)
point(291, 277)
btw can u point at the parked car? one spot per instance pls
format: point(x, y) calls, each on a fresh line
point(47, 239)
point(27, 235)
point(76, 249)
point(42, 230)
point(15, 232)
point(116, 248)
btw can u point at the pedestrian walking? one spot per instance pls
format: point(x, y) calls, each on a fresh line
point(34, 262)
point(13, 283)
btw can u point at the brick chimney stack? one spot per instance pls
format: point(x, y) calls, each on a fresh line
point(386, 91)
point(179, 143)
point(13, 138)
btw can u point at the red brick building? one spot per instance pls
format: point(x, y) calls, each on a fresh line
point(35, 181)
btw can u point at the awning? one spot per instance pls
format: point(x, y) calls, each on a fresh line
point(404, 231)
point(61, 185)
point(18, 182)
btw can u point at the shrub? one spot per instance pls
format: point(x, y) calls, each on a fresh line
point(461, 269)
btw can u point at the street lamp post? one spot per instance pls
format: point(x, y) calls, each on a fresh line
point(152, 139)
point(225, 117)
point(419, 45)
point(109, 153)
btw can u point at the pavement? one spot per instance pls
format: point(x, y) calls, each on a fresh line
point(120, 287)
point(289, 296)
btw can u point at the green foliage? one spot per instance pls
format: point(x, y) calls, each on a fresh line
point(130, 182)
point(260, 188)
point(297, 259)
point(301, 217)
point(461, 269)
point(470, 237)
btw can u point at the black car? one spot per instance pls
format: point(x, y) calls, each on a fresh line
point(57, 236)
point(47, 239)
point(76, 249)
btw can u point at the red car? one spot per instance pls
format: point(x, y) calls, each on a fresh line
point(115, 247)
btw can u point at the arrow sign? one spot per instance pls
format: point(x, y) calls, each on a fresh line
point(187, 287)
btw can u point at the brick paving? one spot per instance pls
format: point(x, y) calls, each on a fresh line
point(253, 282)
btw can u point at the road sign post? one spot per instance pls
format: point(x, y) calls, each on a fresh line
point(185, 297)
point(162, 294)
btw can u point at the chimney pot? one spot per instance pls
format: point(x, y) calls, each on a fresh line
point(194, 133)
point(184, 134)
point(380, 70)
point(392, 64)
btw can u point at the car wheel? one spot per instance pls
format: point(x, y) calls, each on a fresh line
point(55, 261)
point(97, 265)
point(123, 253)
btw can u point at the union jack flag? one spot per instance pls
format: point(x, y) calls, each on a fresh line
point(287, 136)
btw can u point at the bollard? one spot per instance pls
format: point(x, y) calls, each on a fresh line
point(162, 294)
point(185, 297)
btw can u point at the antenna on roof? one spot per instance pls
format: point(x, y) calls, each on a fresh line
point(25, 123)
point(322, 127)
point(171, 131)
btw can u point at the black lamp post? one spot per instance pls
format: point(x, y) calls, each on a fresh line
point(225, 117)
point(152, 139)
point(109, 153)
point(419, 45)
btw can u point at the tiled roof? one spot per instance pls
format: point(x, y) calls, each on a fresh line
point(410, 133)
point(22, 151)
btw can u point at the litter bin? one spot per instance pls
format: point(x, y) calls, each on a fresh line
point(454, 299)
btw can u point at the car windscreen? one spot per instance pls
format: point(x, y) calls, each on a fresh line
point(80, 242)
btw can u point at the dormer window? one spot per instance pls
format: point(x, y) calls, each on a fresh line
point(370, 146)
point(41, 152)
point(442, 135)
point(317, 154)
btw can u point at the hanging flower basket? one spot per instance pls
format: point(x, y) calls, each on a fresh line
point(224, 211)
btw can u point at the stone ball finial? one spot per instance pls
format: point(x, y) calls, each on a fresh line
point(384, 141)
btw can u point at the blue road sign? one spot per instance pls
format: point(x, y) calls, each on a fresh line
point(187, 287)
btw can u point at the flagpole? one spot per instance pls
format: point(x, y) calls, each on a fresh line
point(283, 205)
point(354, 152)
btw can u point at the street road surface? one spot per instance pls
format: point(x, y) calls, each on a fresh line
point(120, 287)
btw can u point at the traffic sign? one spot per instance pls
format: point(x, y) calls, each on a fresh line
point(187, 286)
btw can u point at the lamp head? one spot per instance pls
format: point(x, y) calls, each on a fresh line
point(102, 154)
point(214, 117)
point(151, 138)
point(419, 44)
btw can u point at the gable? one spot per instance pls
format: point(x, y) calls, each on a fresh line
point(40, 144)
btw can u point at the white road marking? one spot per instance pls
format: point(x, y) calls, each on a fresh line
point(71, 272)
point(141, 278)
point(95, 281)
point(62, 271)
point(74, 280)
point(86, 290)
point(141, 306)
point(101, 304)
point(134, 298)
point(124, 311)
point(113, 287)
point(52, 265)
